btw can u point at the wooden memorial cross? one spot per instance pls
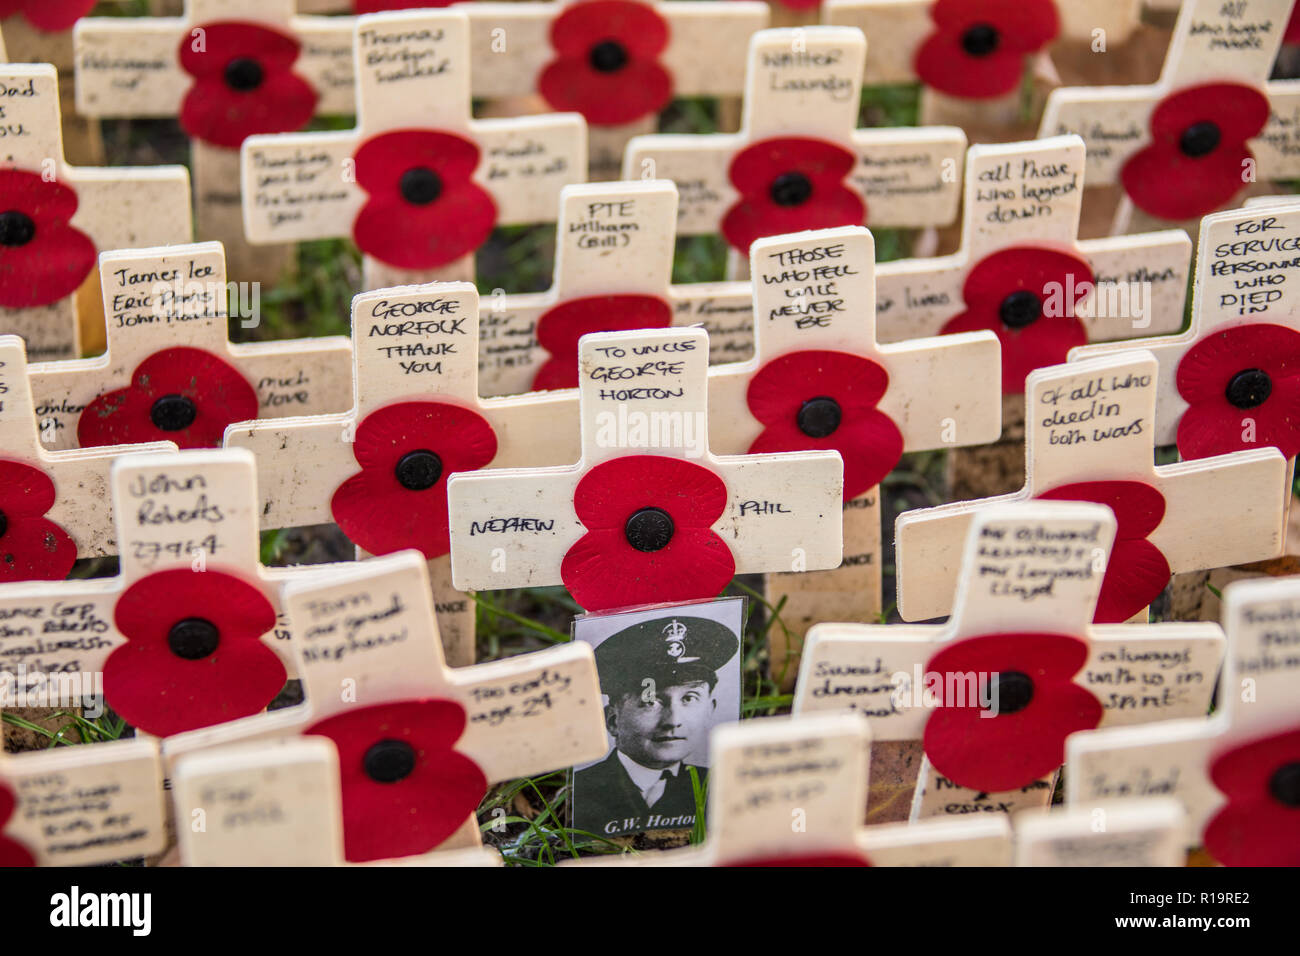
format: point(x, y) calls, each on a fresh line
point(1020, 637)
point(617, 62)
point(798, 161)
point(1149, 832)
point(1090, 437)
point(788, 791)
point(613, 270)
point(170, 373)
point(1210, 126)
point(376, 684)
point(1237, 772)
point(55, 216)
point(970, 57)
point(187, 634)
point(815, 339)
point(53, 505)
point(648, 514)
point(380, 470)
point(418, 184)
point(274, 803)
point(226, 69)
point(82, 805)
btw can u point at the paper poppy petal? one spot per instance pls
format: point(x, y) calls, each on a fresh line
point(559, 329)
point(641, 88)
point(1138, 507)
point(25, 492)
point(462, 438)
point(602, 571)
point(754, 168)
point(779, 389)
point(207, 50)
point(637, 27)
point(49, 268)
point(752, 219)
point(609, 493)
point(1023, 25)
point(34, 549)
point(410, 237)
point(52, 16)
point(381, 161)
point(1292, 34)
point(220, 394)
point(417, 813)
point(147, 609)
point(943, 64)
point(1239, 112)
point(220, 116)
point(381, 516)
point(1047, 273)
point(1255, 828)
point(1165, 183)
point(870, 444)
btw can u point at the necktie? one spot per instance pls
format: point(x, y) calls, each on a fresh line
point(656, 791)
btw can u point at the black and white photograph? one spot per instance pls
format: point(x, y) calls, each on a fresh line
point(668, 677)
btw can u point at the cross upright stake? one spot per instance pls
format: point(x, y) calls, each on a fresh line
point(799, 162)
point(225, 68)
point(648, 514)
point(1090, 437)
point(57, 217)
point(1212, 125)
point(1020, 637)
point(170, 372)
point(380, 470)
point(816, 347)
point(418, 184)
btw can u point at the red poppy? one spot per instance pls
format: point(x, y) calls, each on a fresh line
point(193, 655)
point(12, 853)
point(978, 48)
point(846, 858)
point(1260, 826)
point(48, 15)
point(424, 210)
point(1292, 34)
point(244, 83)
point(1198, 157)
point(649, 534)
point(42, 257)
point(405, 790)
point(1020, 294)
point(559, 329)
point(32, 548)
point(1243, 388)
point(817, 401)
point(1038, 705)
point(790, 184)
point(407, 452)
point(187, 396)
point(379, 6)
point(605, 66)
point(1137, 572)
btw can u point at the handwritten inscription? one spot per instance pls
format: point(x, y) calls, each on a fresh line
point(517, 699)
point(655, 368)
point(1093, 412)
point(1024, 189)
point(172, 512)
point(1254, 270)
point(808, 278)
point(78, 815)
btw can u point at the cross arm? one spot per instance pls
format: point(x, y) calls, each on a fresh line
point(1112, 120)
point(930, 545)
point(916, 297)
point(57, 626)
point(299, 463)
point(1123, 267)
point(300, 186)
point(290, 375)
point(985, 841)
point(910, 178)
point(926, 414)
point(698, 165)
point(1152, 672)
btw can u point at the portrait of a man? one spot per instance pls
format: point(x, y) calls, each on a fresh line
point(668, 680)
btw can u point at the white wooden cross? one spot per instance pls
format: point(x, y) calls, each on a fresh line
point(1090, 436)
point(1256, 702)
point(414, 348)
point(1023, 202)
point(55, 216)
point(450, 178)
point(78, 522)
point(1210, 145)
point(815, 299)
point(132, 68)
point(274, 803)
point(907, 38)
point(84, 805)
point(177, 514)
point(1109, 833)
point(549, 49)
point(802, 94)
point(170, 372)
point(612, 240)
point(649, 513)
point(369, 642)
point(1243, 287)
point(1032, 574)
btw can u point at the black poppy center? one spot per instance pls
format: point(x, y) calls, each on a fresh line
point(1020, 309)
point(420, 186)
point(1200, 139)
point(608, 56)
point(649, 529)
point(790, 189)
point(244, 74)
point(980, 40)
point(418, 470)
point(172, 413)
point(4, 524)
point(819, 417)
point(389, 761)
point(1249, 388)
point(16, 228)
point(1011, 691)
point(193, 638)
point(1285, 784)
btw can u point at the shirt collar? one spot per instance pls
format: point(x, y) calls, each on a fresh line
point(644, 777)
